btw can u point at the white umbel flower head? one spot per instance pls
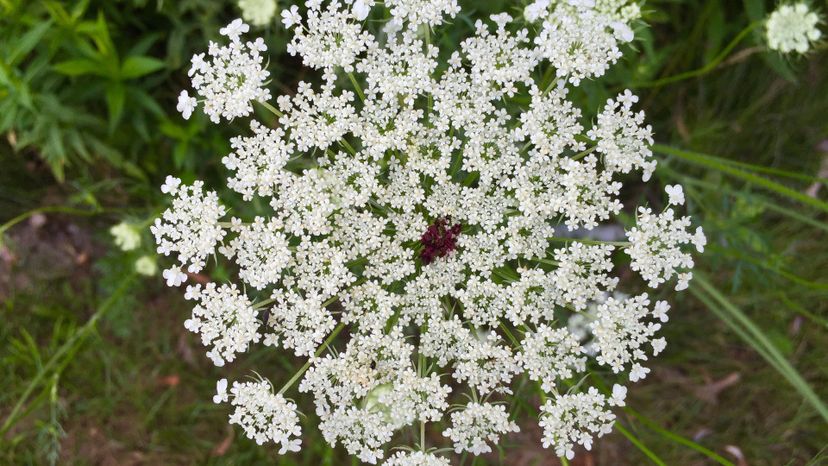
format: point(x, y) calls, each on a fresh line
point(225, 320)
point(146, 266)
point(478, 425)
point(622, 328)
point(792, 27)
point(575, 419)
point(433, 207)
point(231, 78)
point(191, 227)
point(127, 237)
point(258, 12)
point(415, 458)
point(263, 415)
point(657, 247)
point(550, 355)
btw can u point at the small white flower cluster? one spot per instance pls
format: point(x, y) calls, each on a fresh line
point(127, 237)
point(576, 418)
point(190, 228)
point(369, 391)
point(792, 27)
point(550, 355)
point(417, 209)
point(656, 244)
point(477, 425)
point(225, 319)
point(263, 415)
point(621, 332)
point(579, 38)
point(416, 458)
point(258, 12)
point(232, 77)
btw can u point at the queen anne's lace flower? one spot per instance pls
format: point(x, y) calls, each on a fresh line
point(622, 327)
point(418, 206)
point(225, 320)
point(263, 415)
point(622, 137)
point(127, 237)
point(792, 28)
point(416, 458)
point(299, 323)
point(549, 355)
point(258, 12)
point(231, 78)
point(575, 418)
point(327, 37)
point(146, 266)
point(478, 425)
point(582, 275)
point(259, 161)
point(656, 247)
point(580, 41)
point(417, 12)
point(191, 227)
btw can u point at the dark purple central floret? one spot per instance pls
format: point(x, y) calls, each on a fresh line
point(439, 239)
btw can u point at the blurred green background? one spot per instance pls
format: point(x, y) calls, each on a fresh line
point(97, 367)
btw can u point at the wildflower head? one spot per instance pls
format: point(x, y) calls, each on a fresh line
point(792, 28)
point(430, 200)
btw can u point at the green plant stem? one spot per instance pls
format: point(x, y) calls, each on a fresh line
point(307, 364)
point(347, 146)
point(422, 436)
point(47, 209)
point(67, 347)
point(510, 335)
point(590, 241)
point(356, 86)
point(712, 162)
point(272, 109)
point(710, 66)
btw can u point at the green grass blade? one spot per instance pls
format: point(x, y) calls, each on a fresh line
point(712, 163)
point(757, 339)
point(673, 437)
point(750, 196)
point(638, 444)
point(67, 348)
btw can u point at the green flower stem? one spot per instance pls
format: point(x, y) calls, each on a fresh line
point(356, 86)
point(307, 365)
point(348, 146)
point(590, 241)
point(422, 436)
point(510, 335)
point(47, 209)
point(710, 66)
point(272, 109)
